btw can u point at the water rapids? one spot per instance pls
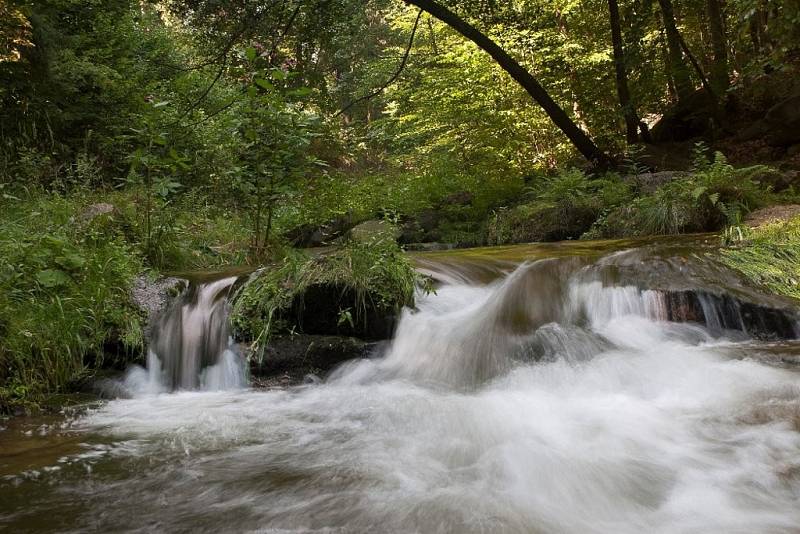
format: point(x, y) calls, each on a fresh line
point(547, 400)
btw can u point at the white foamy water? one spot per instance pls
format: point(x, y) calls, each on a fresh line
point(491, 412)
point(191, 347)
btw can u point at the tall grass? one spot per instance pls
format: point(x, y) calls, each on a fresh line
point(64, 295)
point(768, 255)
point(375, 272)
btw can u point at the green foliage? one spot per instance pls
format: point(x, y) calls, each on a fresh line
point(562, 206)
point(715, 194)
point(375, 272)
point(64, 296)
point(768, 255)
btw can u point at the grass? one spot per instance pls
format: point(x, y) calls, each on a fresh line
point(768, 255)
point(397, 193)
point(714, 195)
point(360, 281)
point(64, 296)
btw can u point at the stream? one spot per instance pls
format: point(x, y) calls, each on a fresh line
point(620, 387)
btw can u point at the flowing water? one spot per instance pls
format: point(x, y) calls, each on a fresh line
point(191, 346)
point(575, 388)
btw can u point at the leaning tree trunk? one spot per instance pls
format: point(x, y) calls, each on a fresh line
point(677, 66)
point(719, 45)
point(628, 109)
point(578, 137)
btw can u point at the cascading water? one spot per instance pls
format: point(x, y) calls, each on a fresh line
point(565, 395)
point(190, 346)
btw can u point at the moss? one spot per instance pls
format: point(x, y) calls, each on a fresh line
point(351, 290)
point(562, 207)
point(769, 255)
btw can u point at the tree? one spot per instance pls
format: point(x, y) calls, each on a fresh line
point(677, 66)
point(585, 145)
point(719, 45)
point(628, 109)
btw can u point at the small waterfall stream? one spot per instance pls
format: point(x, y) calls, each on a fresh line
point(627, 391)
point(191, 346)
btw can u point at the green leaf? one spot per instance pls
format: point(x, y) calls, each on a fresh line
point(52, 278)
point(250, 54)
point(264, 84)
point(71, 261)
point(698, 191)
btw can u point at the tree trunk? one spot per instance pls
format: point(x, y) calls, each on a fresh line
point(628, 109)
point(677, 66)
point(719, 46)
point(578, 137)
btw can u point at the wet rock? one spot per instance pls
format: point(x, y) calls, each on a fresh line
point(330, 309)
point(153, 295)
point(287, 360)
point(725, 312)
point(429, 247)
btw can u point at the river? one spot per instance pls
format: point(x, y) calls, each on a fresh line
point(577, 388)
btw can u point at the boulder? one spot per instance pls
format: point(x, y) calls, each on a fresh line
point(423, 228)
point(690, 118)
point(648, 182)
point(309, 235)
point(783, 120)
point(459, 198)
point(153, 295)
point(373, 229)
point(772, 214)
point(288, 359)
point(104, 219)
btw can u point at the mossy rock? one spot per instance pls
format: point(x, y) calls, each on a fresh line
point(355, 290)
point(536, 222)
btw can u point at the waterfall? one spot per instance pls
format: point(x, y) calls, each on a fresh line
point(191, 346)
point(619, 393)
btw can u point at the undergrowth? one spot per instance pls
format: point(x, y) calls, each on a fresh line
point(370, 277)
point(714, 195)
point(768, 255)
point(560, 207)
point(64, 296)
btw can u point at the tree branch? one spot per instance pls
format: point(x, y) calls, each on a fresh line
point(394, 77)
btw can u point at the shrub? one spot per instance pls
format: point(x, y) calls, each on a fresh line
point(561, 207)
point(346, 291)
point(64, 296)
point(715, 194)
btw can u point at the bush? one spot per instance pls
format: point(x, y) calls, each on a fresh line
point(562, 207)
point(715, 194)
point(64, 296)
point(352, 290)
